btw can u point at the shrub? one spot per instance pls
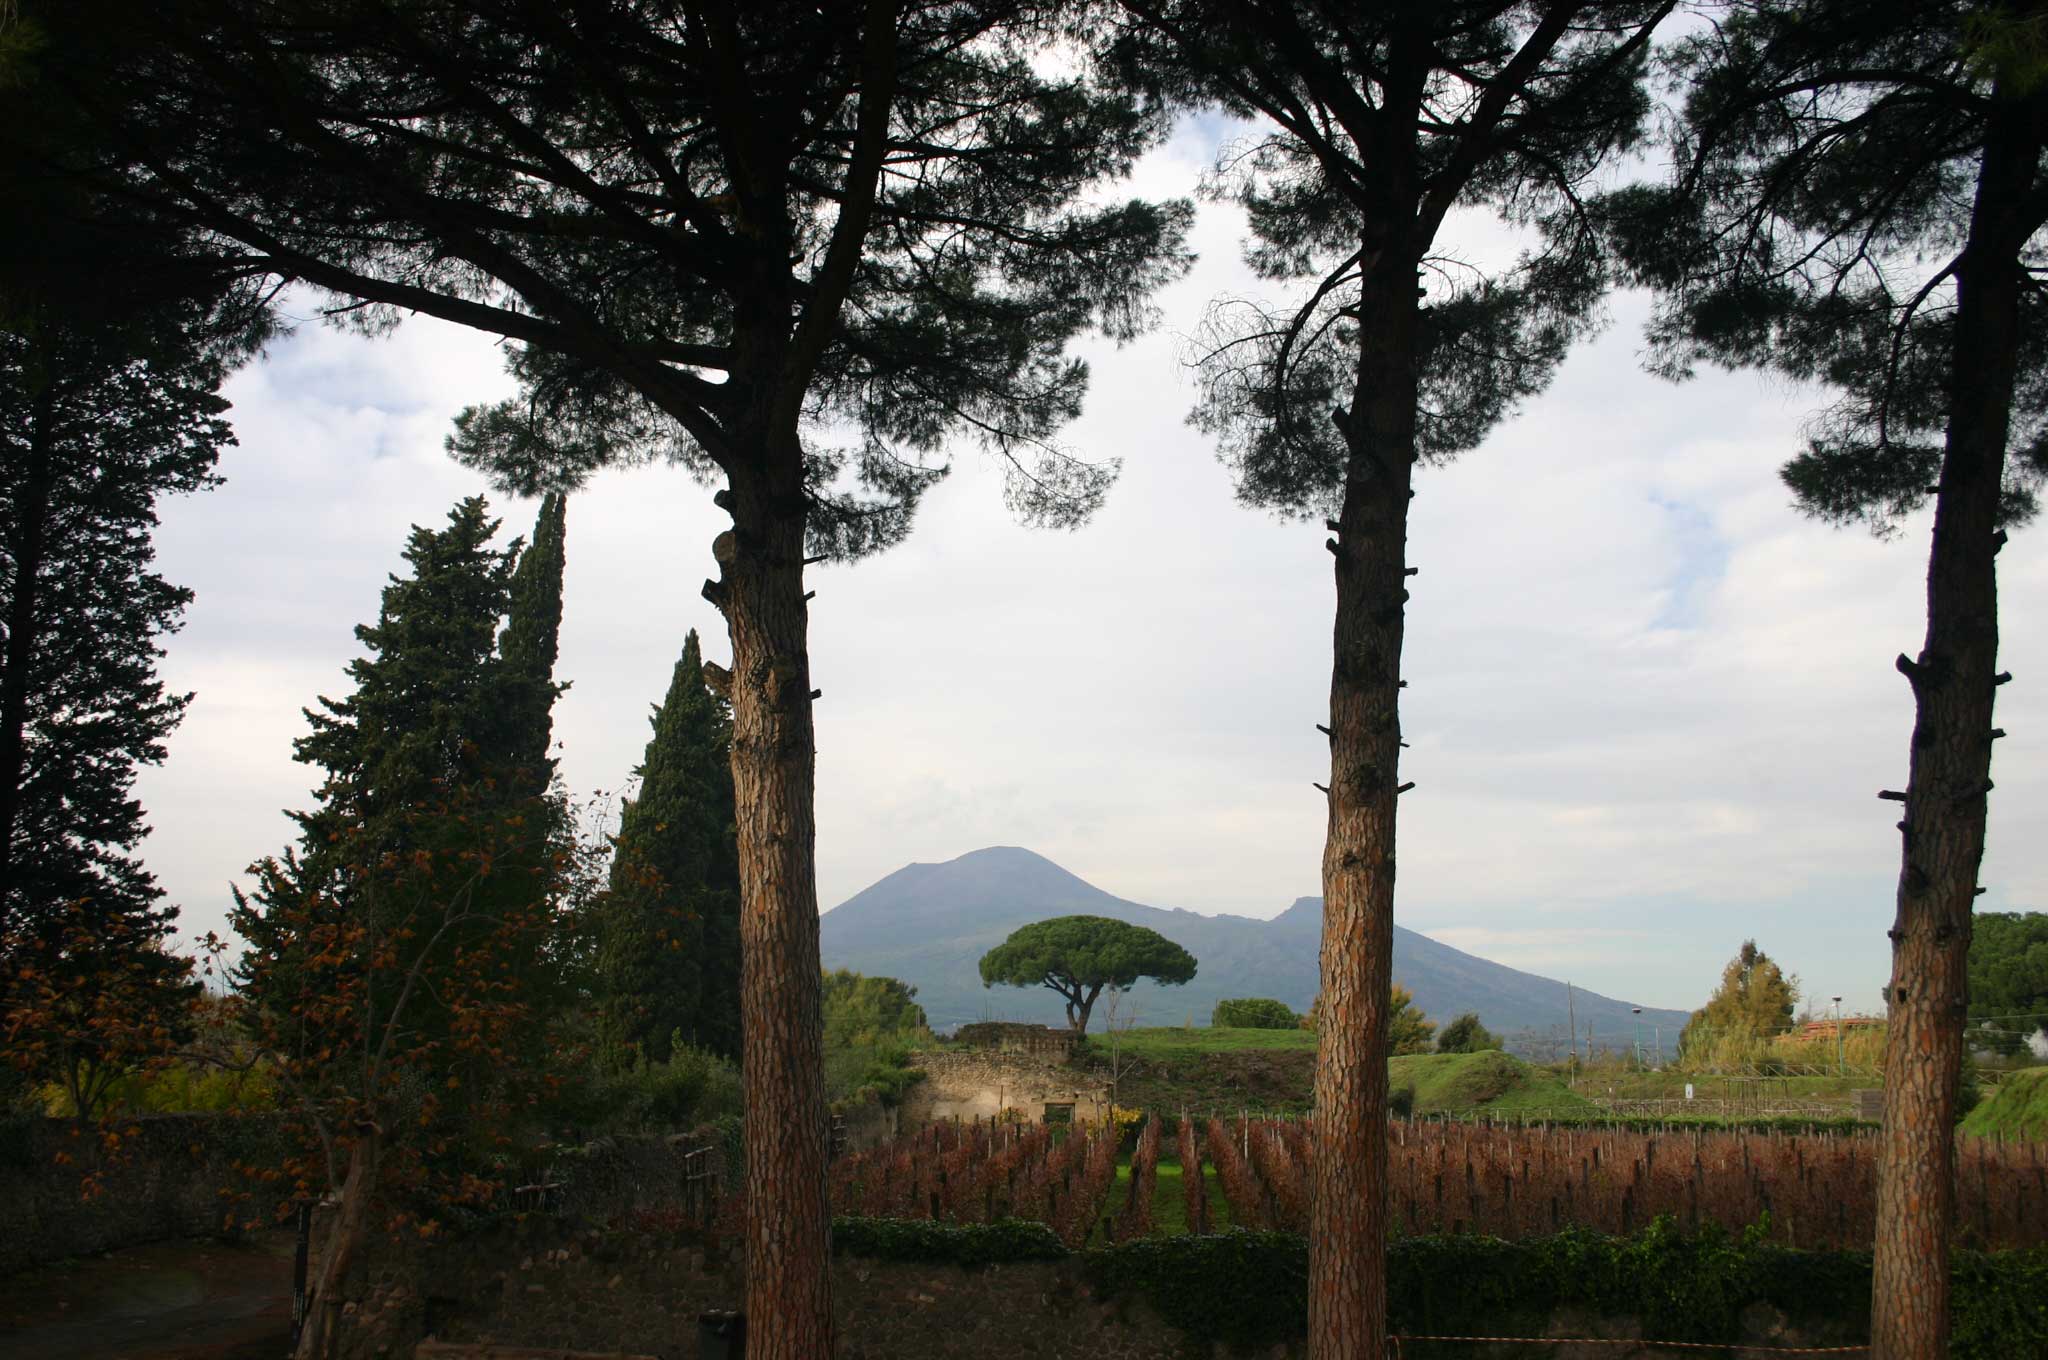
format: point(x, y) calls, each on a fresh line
point(1253, 1012)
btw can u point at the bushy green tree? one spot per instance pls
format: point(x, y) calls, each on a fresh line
point(2008, 978)
point(1754, 1001)
point(1077, 956)
point(1409, 1030)
point(400, 963)
point(669, 951)
point(872, 1024)
point(1253, 1012)
point(1464, 1034)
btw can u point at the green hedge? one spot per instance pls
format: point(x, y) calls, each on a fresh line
point(1251, 1289)
point(1253, 1012)
point(960, 1244)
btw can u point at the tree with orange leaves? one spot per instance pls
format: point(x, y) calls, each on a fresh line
point(402, 960)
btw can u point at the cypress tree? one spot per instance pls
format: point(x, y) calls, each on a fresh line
point(399, 961)
point(108, 404)
point(529, 646)
point(669, 954)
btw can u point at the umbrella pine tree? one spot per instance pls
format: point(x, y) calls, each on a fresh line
point(1375, 124)
point(1858, 200)
point(792, 248)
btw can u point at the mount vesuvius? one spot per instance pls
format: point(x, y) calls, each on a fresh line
point(929, 924)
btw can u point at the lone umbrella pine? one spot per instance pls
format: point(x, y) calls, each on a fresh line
point(1077, 956)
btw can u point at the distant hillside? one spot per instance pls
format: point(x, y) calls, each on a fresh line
point(929, 924)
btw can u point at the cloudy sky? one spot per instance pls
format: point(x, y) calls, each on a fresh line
point(1650, 704)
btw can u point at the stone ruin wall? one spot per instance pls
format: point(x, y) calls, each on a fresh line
point(981, 1085)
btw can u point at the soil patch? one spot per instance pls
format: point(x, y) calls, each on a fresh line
point(166, 1301)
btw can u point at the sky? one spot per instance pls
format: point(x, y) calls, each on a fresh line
point(1650, 705)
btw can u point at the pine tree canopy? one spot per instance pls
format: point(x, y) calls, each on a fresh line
point(1077, 956)
point(1377, 122)
point(1827, 163)
point(668, 958)
point(698, 225)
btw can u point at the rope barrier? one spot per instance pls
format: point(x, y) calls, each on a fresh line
point(1741, 1348)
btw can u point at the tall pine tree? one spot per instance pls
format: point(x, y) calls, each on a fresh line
point(1377, 124)
point(669, 953)
point(791, 247)
point(1860, 199)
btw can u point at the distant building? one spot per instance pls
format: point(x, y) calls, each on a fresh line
point(1826, 1029)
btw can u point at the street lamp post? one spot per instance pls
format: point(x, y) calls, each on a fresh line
point(1639, 1036)
point(1841, 1052)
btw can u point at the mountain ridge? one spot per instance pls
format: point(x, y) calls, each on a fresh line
point(929, 924)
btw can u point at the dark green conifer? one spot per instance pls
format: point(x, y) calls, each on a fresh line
point(668, 959)
point(415, 758)
point(529, 645)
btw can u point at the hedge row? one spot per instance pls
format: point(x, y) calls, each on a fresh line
point(1251, 1289)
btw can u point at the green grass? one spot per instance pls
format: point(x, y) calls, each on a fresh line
point(2017, 1109)
point(1169, 1203)
point(1165, 1044)
point(1483, 1083)
point(1620, 1083)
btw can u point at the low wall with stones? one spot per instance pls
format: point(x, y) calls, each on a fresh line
point(980, 1085)
point(551, 1285)
point(71, 1189)
point(547, 1286)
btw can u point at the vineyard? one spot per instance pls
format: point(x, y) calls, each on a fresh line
point(1508, 1181)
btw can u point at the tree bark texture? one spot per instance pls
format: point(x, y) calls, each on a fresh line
point(1953, 684)
point(788, 1298)
point(1347, 1289)
point(32, 514)
point(320, 1338)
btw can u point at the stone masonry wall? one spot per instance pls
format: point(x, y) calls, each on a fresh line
point(642, 1293)
point(68, 1189)
point(546, 1284)
point(979, 1085)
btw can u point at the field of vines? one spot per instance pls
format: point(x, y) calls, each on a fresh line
point(1509, 1181)
point(978, 1173)
point(1512, 1181)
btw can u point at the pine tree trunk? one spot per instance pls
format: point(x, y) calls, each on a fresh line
point(320, 1337)
point(32, 514)
point(788, 1298)
point(1347, 1287)
point(1943, 829)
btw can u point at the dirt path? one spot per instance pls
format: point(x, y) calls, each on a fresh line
point(168, 1301)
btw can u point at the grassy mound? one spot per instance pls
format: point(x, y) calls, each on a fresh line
point(1484, 1083)
point(1166, 1044)
point(2018, 1109)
